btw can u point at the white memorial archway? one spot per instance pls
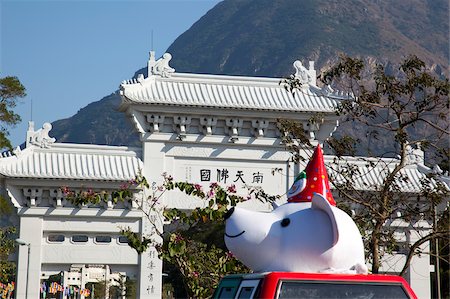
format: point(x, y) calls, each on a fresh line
point(198, 128)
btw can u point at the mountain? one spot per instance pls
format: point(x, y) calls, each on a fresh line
point(264, 38)
point(97, 123)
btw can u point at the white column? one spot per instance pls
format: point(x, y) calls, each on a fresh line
point(419, 273)
point(64, 283)
point(151, 267)
point(107, 284)
point(30, 232)
point(83, 278)
point(150, 278)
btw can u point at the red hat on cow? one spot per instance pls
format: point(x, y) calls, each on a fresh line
point(316, 180)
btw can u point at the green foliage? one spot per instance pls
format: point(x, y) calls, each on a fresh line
point(5, 207)
point(84, 197)
point(130, 287)
point(135, 241)
point(350, 67)
point(124, 194)
point(7, 236)
point(7, 268)
point(10, 90)
point(217, 197)
point(264, 37)
point(201, 266)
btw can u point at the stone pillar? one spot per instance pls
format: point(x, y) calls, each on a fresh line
point(419, 273)
point(150, 281)
point(30, 232)
point(84, 273)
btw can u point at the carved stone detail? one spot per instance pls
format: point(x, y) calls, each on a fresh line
point(415, 155)
point(181, 125)
point(311, 129)
point(161, 66)
point(17, 151)
point(57, 197)
point(233, 125)
point(40, 137)
point(326, 130)
point(305, 76)
point(109, 204)
point(207, 125)
point(156, 121)
point(7, 154)
point(33, 195)
point(259, 127)
point(327, 90)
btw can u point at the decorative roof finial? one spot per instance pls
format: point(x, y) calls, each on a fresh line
point(305, 76)
point(161, 66)
point(40, 137)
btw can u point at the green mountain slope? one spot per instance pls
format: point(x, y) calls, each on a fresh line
point(264, 38)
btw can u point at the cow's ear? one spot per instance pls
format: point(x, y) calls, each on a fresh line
point(320, 203)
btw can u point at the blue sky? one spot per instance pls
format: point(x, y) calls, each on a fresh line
point(71, 53)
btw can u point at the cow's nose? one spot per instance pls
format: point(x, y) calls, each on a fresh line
point(228, 213)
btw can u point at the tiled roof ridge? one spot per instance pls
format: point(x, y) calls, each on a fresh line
point(73, 161)
point(238, 92)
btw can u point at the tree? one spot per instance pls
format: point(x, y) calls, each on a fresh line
point(10, 90)
point(408, 109)
point(7, 268)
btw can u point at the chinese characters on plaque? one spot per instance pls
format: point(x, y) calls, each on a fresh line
point(223, 175)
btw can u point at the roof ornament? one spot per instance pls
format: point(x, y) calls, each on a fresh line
point(327, 90)
point(416, 155)
point(161, 66)
point(40, 137)
point(437, 170)
point(17, 151)
point(305, 76)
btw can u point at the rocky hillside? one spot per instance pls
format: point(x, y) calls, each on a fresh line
point(97, 123)
point(264, 37)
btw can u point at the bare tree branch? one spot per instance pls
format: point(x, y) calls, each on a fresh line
point(418, 243)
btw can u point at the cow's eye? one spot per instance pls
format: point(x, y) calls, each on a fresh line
point(285, 222)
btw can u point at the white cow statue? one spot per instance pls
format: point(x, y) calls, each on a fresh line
point(311, 236)
point(299, 237)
